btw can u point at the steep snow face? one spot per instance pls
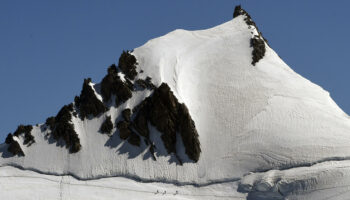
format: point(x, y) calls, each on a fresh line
point(249, 118)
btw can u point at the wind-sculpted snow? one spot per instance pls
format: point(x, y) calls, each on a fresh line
point(249, 119)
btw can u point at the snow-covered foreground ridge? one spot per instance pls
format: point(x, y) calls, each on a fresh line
point(252, 113)
point(328, 180)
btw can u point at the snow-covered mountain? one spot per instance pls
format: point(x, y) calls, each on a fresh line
point(209, 114)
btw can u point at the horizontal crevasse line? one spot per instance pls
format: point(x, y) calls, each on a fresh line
point(128, 176)
point(175, 182)
point(306, 164)
point(86, 184)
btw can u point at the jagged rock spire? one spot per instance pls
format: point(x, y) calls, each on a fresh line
point(238, 11)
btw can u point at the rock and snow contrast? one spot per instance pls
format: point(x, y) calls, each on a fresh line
point(209, 114)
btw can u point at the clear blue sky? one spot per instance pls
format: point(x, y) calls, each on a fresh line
point(48, 47)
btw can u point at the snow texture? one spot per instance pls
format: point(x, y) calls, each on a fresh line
point(263, 128)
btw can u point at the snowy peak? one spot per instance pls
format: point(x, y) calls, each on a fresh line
point(190, 107)
point(240, 11)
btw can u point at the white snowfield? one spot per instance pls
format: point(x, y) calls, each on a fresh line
point(265, 131)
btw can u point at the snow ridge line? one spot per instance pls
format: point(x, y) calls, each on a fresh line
point(128, 176)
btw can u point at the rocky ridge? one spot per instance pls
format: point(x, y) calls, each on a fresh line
point(161, 109)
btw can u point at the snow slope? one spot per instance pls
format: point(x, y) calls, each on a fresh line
point(250, 119)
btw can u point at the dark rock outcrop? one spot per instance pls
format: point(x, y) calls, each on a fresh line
point(127, 114)
point(188, 132)
point(145, 84)
point(127, 64)
point(134, 139)
point(163, 111)
point(87, 103)
point(129, 84)
point(26, 130)
point(50, 122)
point(240, 11)
point(141, 122)
point(107, 126)
point(258, 49)
point(126, 133)
point(9, 138)
point(62, 128)
point(258, 41)
point(13, 147)
point(124, 130)
point(113, 85)
point(249, 21)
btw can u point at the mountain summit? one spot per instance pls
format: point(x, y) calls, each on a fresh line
point(196, 108)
